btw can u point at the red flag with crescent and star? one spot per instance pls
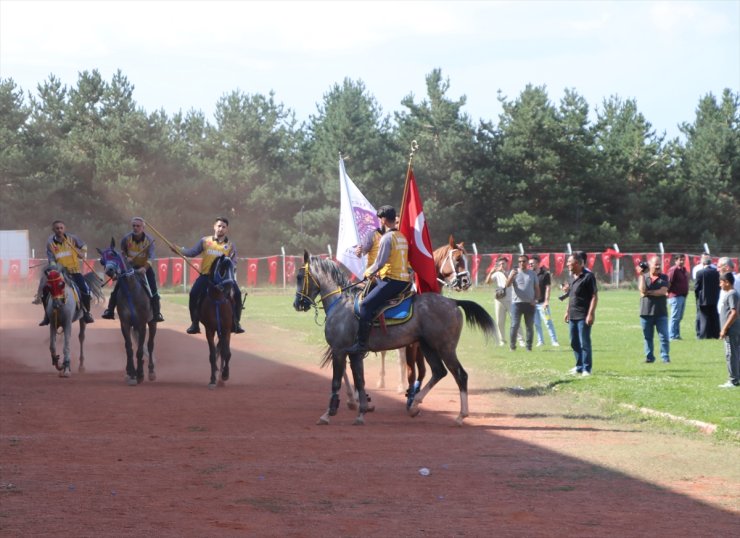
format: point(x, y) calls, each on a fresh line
point(414, 227)
point(177, 267)
point(163, 267)
point(252, 272)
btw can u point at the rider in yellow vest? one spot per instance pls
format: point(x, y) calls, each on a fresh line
point(68, 251)
point(138, 248)
point(391, 269)
point(212, 248)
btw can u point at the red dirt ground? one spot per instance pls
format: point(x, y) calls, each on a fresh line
point(91, 456)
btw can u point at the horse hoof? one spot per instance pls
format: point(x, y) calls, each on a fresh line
point(322, 422)
point(65, 373)
point(81, 369)
point(414, 412)
point(139, 379)
point(152, 376)
point(221, 383)
point(359, 421)
point(352, 405)
point(370, 408)
point(211, 386)
point(459, 420)
point(131, 381)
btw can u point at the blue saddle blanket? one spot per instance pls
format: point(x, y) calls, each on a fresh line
point(401, 311)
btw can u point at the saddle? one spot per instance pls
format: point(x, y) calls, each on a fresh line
point(397, 311)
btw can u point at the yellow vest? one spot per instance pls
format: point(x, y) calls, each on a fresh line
point(372, 254)
point(65, 255)
point(212, 250)
point(138, 251)
point(397, 266)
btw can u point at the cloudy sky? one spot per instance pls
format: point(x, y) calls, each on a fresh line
point(183, 55)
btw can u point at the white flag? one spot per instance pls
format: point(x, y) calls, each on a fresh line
point(357, 218)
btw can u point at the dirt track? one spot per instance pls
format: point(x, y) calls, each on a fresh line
point(90, 456)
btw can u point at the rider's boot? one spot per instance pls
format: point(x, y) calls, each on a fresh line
point(44, 321)
point(237, 328)
point(109, 313)
point(43, 299)
point(195, 325)
point(86, 316)
point(360, 345)
point(156, 308)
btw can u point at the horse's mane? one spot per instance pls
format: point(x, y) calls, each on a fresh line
point(332, 271)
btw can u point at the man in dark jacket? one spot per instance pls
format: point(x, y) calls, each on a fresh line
point(706, 291)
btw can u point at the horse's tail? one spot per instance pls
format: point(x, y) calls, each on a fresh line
point(327, 357)
point(94, 283)
point(477, 316)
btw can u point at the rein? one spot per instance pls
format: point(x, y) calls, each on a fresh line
point(304, 294)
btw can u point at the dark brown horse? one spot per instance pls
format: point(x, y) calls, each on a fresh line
point(436, 324)
point(217, 316)
point(451, 261)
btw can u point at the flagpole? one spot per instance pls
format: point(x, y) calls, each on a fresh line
point(414, 147)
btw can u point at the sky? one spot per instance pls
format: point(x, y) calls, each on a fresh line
point(183, 55)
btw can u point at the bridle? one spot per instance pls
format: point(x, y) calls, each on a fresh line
point(461, 279)
point(306, 295)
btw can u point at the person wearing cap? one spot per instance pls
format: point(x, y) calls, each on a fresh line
point(706, 292)
point(730, 328)
point(138, 248)
point(391, 272)
point(212, 247)
point(68, 251)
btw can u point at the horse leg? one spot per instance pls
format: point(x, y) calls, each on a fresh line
point(140, 342)
point(413, 383)
point(402, 371)
point(349, 388)
point(81, 338)
point(210, 336)
point(224, 344)
point(357, 364)
point(338, 362)
point(130, 370)
point(53, 347)
point(150, 350)
point(381, 380)
point(461, 378)
point(66, 370)
point(438, 372)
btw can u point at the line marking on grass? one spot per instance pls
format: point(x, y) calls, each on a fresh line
point(704, 427)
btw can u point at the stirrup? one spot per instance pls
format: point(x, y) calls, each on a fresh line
point(108, 314)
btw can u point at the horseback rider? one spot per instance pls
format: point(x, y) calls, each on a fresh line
point(212, 248)
point(67, 250)
point(138, 248)
point(393, 276)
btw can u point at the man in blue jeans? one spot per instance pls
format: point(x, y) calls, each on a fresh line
point(653, 286)
point(678, 289)
point(581, 313)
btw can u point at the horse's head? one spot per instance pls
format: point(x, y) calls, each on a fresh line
point(55, 284)
point(307, 287)
point(222, 271)
point(452, 265)
point(112, 261)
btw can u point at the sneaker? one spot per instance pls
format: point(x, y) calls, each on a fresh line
point(574, 371)
point(666, 361)
point(585, 373)
point(649, 361)
point(555, 344)
point(108, 314)
point(540, 344)
point(727, 385)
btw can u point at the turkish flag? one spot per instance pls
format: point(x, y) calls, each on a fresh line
point(163, 266)
point(606, 260)
point(290, 262)
point(545, 260)
point(194, 270)
point(14, 272)
point(414, 227)
point(559, 263)
point(272, 263)
point(177, 265)
point(252, 271)
point(590, 260)
point(476, 265)
point(734, 262)
point(636, 259)
point(666, 262)
point(697, 260)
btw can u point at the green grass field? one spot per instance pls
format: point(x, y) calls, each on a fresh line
point(687, 387)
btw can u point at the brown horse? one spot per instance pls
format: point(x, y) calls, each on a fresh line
point(436, 324)
point(216, 315)
point(451, 261)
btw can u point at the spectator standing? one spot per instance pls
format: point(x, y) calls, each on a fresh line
point(653, 287)
point(542, 311)
point(730, 328)
point(678, 289)
point(706, 291)
point(523, 282)
point(581, 313)
point(725, 265)
point(502, 298)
